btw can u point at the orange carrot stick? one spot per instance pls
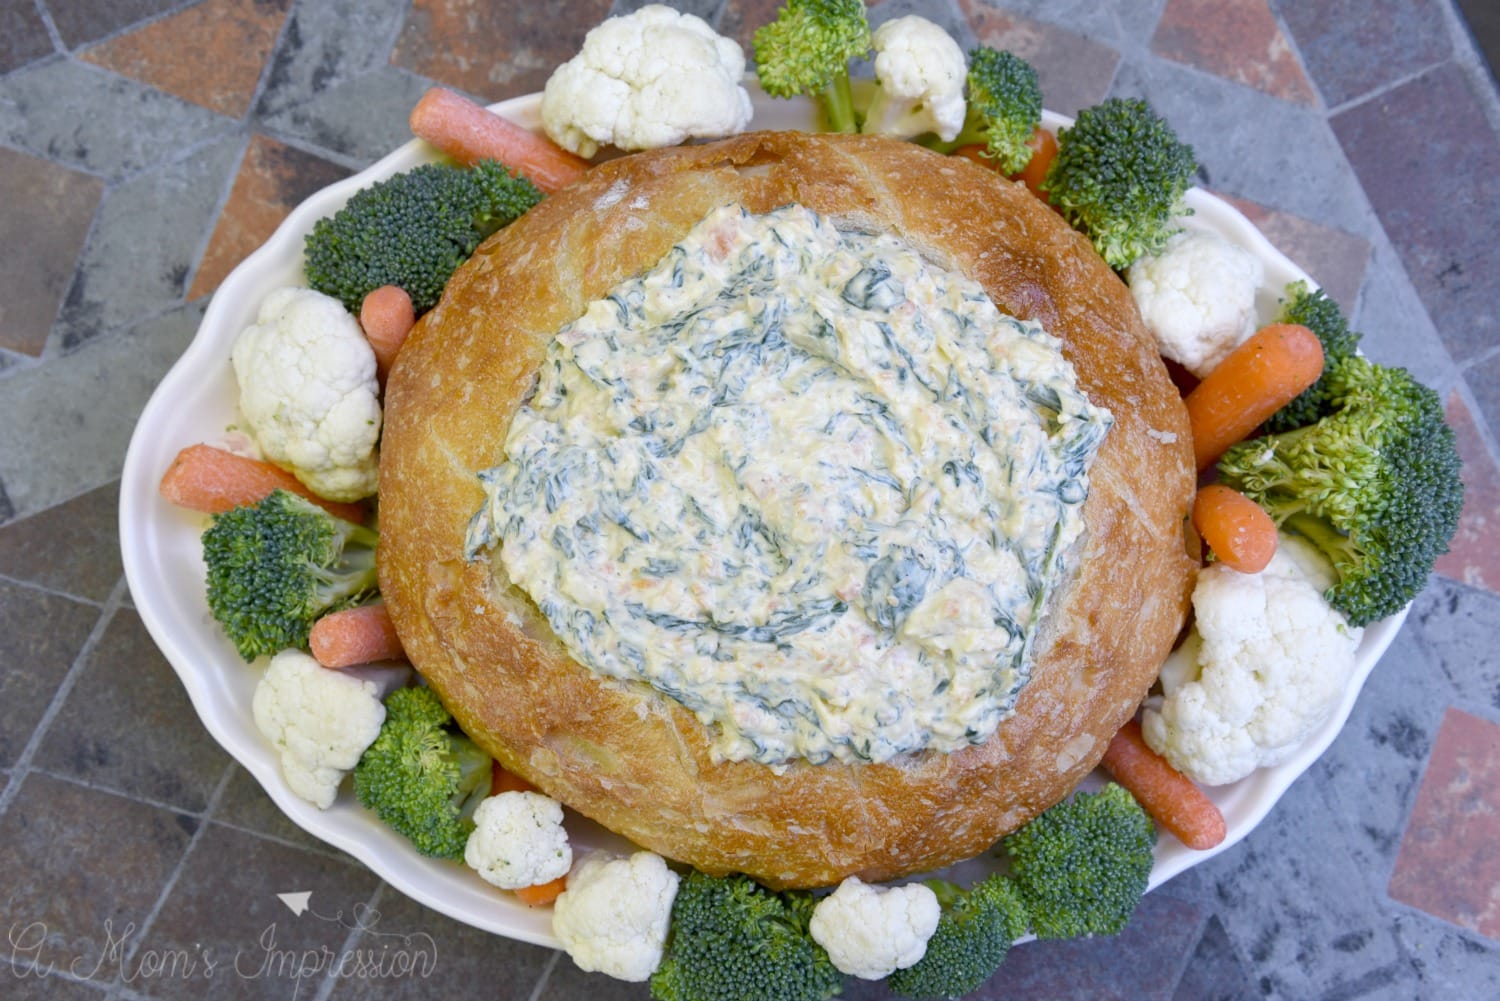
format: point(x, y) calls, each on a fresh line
point(1043, 151)
point(214, 480)
point(502, 780)
point(1170, 797)
point(386, 316)
point(542, 894)
point(361, 635)
point(1238, 531)
point(1258, 378)
point(470, 132)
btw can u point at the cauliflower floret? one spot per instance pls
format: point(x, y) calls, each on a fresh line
point(308, 392)
point(320, 721)
point(1198, 297)
point(920, 73)
point(652, 78)
point(871, 931)
point(518, 840)
point(1267, 662)
point(613, 917)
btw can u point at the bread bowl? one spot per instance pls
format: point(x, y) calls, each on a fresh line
point(638, 761)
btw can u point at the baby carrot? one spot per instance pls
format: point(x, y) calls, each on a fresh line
point(386, 316)
point(361, 635)
point(1258, 378)
point(1170, 797)
point(502, 780)
point(542, 894)
point(470, 132)
point(1043, 151)
point(215, 480)
point(1238, 531)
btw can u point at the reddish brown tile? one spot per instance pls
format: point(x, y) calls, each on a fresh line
point(1235, 39)
point(253, 945)
point(40, 635)
point(273, 179)
point(494, 51)
point(1449, 863)
point(73, 547)
point(1336, 260)
point(1474, 556)
point(1075, 72)
point(48, 210)
point(128, 725)
point(23, 35)
point(82, 870)
point(741, 17)
point(211, 53)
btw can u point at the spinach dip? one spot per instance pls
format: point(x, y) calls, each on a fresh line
point(803, 481)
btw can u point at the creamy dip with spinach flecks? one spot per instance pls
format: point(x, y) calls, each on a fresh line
point(805, 482)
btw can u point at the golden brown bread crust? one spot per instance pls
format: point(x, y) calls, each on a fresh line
point(637, 762)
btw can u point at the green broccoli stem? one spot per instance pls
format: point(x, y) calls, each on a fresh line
point(837, 101)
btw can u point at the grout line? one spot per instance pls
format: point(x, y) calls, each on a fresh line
point(541, 983)
point(1386, 88)
point(32, 585)
point(350, 943)
point(322, 848)
point(22, 765)
point(58, 48)
point(171, 881)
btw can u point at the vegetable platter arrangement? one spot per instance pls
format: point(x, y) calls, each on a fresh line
point(1329, 486)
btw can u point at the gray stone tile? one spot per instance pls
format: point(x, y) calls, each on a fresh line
point(127, 725)
point(567, 982)
point(1456, 626)
point(28, 985)
point(73, 548)
point(707, 9)
point(146, 239)
point(1289, 899)
point(1084, 17)
point(23, 35)
point(325, 45)
point(1214, 971)
point(83, 869)
point(68, 422)
point(83, 21)
point(1395, 327)
point(1353, 47)
point(462, 957)
point(361, 120)
point(224, 908)
point(1239, 136)
point(1432, 217)
point(40, 636)
point(1449, 962)
point(82, 116)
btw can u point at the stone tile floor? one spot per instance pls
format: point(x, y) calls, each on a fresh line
point(147, 145)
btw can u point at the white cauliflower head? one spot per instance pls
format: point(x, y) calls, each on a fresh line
point(920, 73)
point(1198, 297)
point(652, 78)
point(308, 392)
point(614, 915)
point(518, 840)
point(319, 719)
point(1266, 664)
point(871, 931)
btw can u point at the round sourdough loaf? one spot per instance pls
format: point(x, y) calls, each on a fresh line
point(638, 762)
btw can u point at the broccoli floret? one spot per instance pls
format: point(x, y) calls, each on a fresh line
point(277, 565)
point(973, 935)
point(413, 230)
point(1005, 107)
point(731, 938)
point(422, 776)
point(1083, 865)
point(807, 50)
point(1375, 484)
point(1120, 177)
point(1322, 316)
